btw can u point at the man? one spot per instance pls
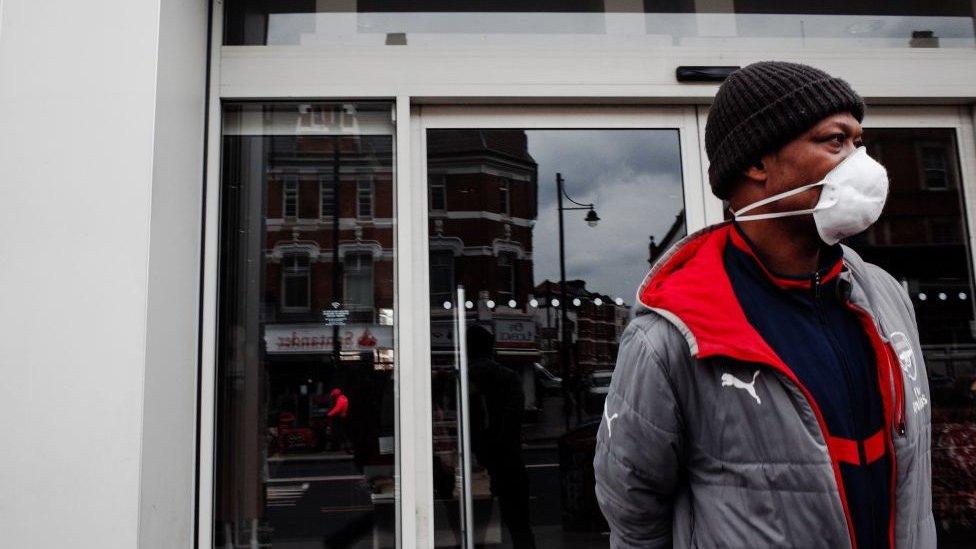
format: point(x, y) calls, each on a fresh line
point(337, 417)
point(759, 397)
point(497, 404)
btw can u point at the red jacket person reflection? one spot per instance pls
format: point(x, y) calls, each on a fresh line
point(337, 418)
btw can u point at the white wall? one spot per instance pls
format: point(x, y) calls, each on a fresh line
point(574, 74)
point(81, 120)
point(169, 417)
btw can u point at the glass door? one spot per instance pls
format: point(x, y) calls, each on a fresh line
point(924, 239)
point(305, 428)
point(540, 225)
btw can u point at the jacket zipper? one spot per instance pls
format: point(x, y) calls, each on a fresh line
point(852, 399)
point(824, 433)
point(893, 371)
point(845, 364)
point(898, 390)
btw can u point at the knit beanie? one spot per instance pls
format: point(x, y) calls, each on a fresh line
point(761, 107)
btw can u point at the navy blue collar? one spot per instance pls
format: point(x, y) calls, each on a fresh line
point(831, 263)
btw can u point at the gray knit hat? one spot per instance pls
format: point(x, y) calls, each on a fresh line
point(763, 106)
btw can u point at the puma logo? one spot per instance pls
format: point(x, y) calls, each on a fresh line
point(609, 420)
point(729, 380)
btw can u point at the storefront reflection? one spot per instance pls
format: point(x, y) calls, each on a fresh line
point(596, 24)
point(922, 240)
point(305, 427)
point(495, 423)
point(535, 402)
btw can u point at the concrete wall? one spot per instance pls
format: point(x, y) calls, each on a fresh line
point(101, 147)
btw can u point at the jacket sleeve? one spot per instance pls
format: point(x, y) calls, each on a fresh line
point(341, 405)
point(640, 449)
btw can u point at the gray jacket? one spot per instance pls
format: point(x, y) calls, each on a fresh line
point(684, 459)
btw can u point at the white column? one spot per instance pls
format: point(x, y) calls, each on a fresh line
point(101, 151)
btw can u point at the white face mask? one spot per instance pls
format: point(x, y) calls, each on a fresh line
point(853, 195)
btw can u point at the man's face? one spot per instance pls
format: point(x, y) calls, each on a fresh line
point(805, 160)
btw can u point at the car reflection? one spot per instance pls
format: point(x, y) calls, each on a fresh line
point(547, 383)
point(597, 387)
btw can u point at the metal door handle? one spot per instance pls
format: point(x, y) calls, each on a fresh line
point(460, 333)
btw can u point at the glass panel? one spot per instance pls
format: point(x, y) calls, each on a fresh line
point(305, 449)
point(296, 276)
point(922, 240)
point(359, 281)
point(291, 198)
point(503, 205)
point(441, 276)
point(538, 362)
point(588, 23)
point(327, 198)
point(364, 198)
point(438, 198)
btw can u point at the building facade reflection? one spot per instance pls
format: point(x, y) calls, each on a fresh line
point(486, 200)
point(306, 405)
point(922, 240)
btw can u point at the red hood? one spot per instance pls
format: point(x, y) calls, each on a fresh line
point(690, 287)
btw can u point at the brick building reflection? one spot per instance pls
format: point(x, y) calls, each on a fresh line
point(483, 189)
point(307, 222)
point(921, 239)
point(921, 236)
point(315, 262)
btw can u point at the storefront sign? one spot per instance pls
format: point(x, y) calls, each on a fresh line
point(514, 333)
point(442, 334)
point(317, 338)
point(509, 334)
point(335, 316)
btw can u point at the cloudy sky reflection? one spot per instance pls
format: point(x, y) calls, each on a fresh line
point(633, 177)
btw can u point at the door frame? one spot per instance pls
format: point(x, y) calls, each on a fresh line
point(415, 433)
point(412, 325)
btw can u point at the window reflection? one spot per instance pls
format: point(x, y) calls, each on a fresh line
point(538, 374)
point(922, 240)
point(305, 426)
point(296, 281)
point(587, 23)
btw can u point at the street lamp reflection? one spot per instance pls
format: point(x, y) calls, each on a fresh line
point(592, 219)
point(572, 393)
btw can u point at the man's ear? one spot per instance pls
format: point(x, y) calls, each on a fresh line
point(756, 172)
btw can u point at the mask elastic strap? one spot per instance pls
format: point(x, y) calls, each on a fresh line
point(774, 198)
point(773, 215)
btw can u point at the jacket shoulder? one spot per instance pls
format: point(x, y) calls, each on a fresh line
point(652, 352)
point(658, 334)
point(878, 283)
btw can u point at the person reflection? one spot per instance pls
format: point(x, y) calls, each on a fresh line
point(496, 405)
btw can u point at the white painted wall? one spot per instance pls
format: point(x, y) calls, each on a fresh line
point(644, 74)
point(169, 418)
point(96, 134)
